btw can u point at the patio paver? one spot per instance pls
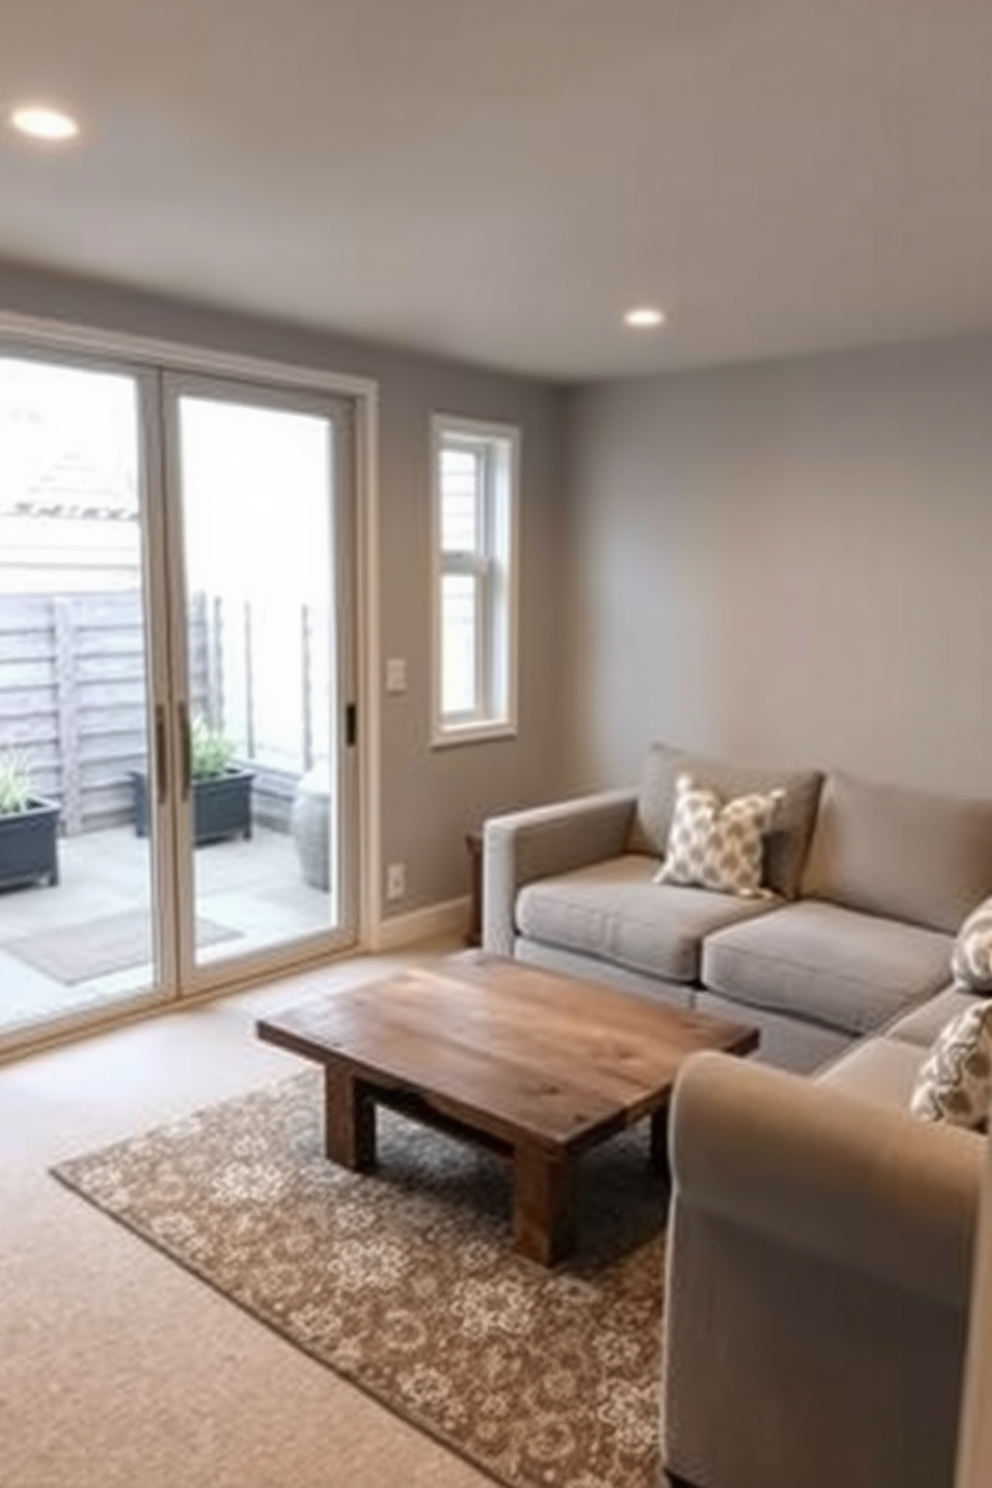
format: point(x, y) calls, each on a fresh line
point(253, 888)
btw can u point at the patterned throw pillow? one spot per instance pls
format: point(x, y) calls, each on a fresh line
point(971, 959)
point(718, 845)
point(955, 1080)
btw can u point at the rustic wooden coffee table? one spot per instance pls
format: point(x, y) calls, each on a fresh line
point(535, 1065)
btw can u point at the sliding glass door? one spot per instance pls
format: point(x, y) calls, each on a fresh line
point(78, 825)
point(261, 485)
point(177, 681)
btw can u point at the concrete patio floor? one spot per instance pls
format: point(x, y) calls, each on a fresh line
point(253, 889)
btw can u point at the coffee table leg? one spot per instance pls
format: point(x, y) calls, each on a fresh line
point(542, 1209)
point(349, 1120)
point(659, 1140)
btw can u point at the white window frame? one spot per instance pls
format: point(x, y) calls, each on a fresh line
point(494, 564)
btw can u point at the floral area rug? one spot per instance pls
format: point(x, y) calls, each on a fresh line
point(405, 1282)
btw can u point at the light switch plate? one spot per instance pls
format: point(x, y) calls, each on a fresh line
point(396, 674)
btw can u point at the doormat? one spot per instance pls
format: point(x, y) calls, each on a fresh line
point(404, 1281)
point(78, 953)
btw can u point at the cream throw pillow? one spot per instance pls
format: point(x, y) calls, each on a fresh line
point(955, 1080)
point(971, 959)
point(718, 845)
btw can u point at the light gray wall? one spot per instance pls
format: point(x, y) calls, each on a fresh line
point(789, 561)
point(429, 798)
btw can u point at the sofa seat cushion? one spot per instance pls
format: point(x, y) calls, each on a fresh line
point(837, 967)
point(925, 1023)
point(614, 911)
point(882, 1071)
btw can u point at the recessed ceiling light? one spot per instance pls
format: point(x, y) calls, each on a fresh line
point(644, 317)
point(44, 123)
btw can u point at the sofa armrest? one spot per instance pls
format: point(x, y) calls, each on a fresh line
point(546, 840)
point(853, 1184)
point(818, 1280)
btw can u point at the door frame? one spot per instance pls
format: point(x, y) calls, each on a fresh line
point(144, 355)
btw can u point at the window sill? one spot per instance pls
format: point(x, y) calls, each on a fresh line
point(472, 733)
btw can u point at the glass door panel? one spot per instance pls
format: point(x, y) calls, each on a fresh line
point(264, 644)
point(78, 800)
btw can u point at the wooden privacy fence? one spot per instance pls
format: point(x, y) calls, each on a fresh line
point(72, 698)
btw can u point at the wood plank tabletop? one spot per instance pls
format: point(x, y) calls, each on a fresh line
point(509, 1048)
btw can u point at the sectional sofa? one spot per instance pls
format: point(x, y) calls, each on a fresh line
point(820, 1248)
point(870, 884)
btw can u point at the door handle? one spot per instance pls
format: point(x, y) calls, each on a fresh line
point(161, 757)
point(186, 745)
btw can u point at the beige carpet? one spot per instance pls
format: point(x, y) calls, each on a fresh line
point(404, 1281)
point(77, 953)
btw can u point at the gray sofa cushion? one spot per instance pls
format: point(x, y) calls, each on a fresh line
point(614, 912)
point(881, 1071)
point(923, 1024)
point(845, 970)
point(907, 854)
point(785, 846)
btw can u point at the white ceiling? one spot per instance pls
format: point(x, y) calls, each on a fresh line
point(500, 179)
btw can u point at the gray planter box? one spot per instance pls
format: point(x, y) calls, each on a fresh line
point(29, 847)
point(221, 805)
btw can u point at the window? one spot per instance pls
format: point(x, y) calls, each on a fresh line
point(475, 477)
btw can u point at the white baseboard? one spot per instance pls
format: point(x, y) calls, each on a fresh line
point(447, 918)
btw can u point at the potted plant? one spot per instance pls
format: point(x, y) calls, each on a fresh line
point(221, 788)
point(28, 827)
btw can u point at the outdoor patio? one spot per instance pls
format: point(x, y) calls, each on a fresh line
point(249, 894)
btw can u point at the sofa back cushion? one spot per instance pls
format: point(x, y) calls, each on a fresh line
point(785, 845)
point(906, 854)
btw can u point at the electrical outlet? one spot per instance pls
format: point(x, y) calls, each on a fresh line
point(395, 881)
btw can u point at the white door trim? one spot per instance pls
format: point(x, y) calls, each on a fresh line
point(177, 355)
point(41, 334)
